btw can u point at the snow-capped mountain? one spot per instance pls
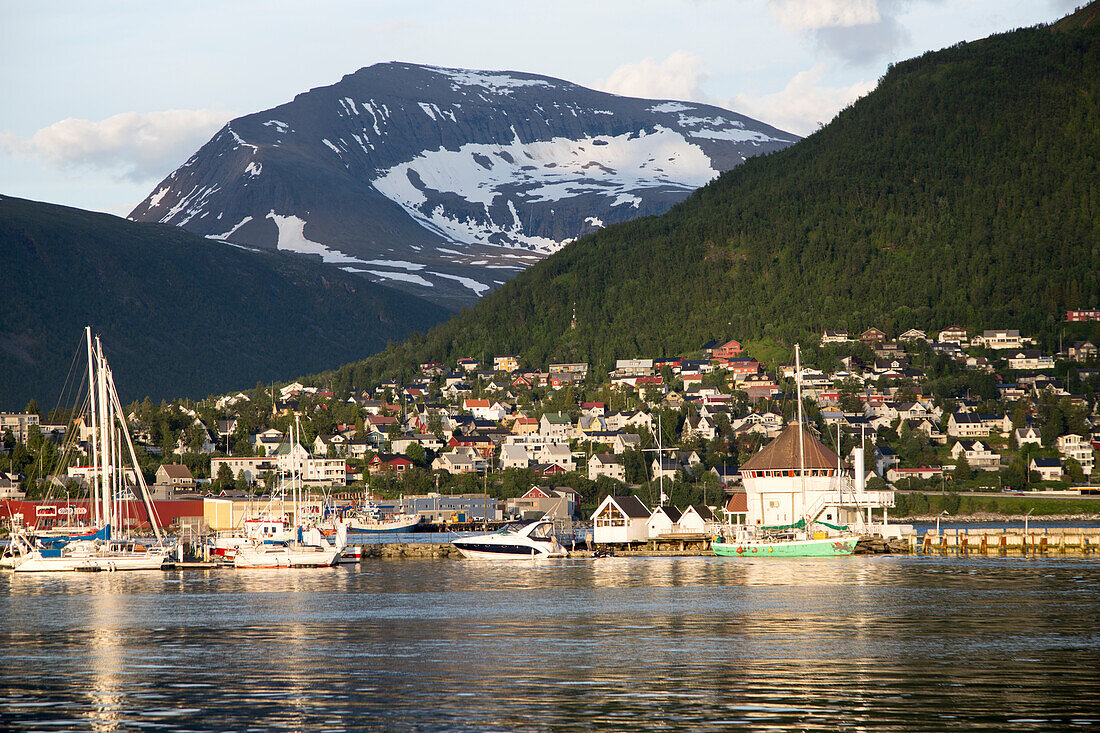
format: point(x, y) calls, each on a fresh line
point(448, 181)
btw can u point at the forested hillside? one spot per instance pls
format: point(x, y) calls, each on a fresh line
point(964, 189)
point(180, 315)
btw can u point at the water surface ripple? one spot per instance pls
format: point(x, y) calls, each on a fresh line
point(865, 643)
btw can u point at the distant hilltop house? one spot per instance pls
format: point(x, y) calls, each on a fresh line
point(1078, 316)
point(506, 363)
point(835, 337)
point(953, 335)
point(1008, 338)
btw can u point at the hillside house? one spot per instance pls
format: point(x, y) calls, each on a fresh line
point(872, 335)
point(1000, 339)
point(729, 350)
point(514, 456)
point(1029, 360)
point(966, 425)
point(953, 335)
point(606, 464)
point(1049, 469)
point(834, 337)
point(555, 425)
point(1077, 448)
point(979, 456)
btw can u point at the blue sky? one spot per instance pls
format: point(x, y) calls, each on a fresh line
point(103, 99)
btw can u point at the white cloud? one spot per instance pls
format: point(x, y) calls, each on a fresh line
point(677, 77)
point(802, 15)
point(803, 104)
point(858, 31)
point(132, 145)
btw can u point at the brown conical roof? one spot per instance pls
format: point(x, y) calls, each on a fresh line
point(782, 453)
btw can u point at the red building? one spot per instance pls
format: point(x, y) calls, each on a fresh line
point(729, 350)
point(59, 513)
point(1083, 316)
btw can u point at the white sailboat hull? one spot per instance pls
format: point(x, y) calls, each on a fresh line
point(34, 562)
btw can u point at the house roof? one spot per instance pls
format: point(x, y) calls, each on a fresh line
point(671, 512)
point(177, 470)
point(738, 502)
point(782, 453)
point(631, 506)
point(702, 511)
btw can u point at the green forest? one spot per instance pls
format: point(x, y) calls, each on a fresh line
point(965, 189)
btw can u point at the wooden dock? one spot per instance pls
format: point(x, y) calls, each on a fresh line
point(1042, 541)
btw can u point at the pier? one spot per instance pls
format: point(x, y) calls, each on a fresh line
point(1042, 541)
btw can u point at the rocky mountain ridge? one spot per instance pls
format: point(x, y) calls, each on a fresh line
point(448, 182)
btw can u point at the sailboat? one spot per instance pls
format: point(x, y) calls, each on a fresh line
point(104, 546)
point(790, 479)
point(310, 543)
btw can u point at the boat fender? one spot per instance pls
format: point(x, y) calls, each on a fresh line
point(754, 549)
point(740, 550)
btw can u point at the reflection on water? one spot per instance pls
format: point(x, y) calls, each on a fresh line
point(613, 644)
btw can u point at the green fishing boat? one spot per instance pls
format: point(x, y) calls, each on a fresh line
point(822, 547)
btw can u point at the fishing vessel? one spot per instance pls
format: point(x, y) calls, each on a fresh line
point(513, 541)
point(368, 518)
point(799, 502)
point(114, 475)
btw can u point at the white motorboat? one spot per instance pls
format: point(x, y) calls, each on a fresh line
point(514, 541)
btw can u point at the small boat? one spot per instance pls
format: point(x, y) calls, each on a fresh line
point(514, 541)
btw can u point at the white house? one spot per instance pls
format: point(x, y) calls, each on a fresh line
point(696, 518)
point(1077, 448)
point(514, 456)
point(979, 456)
point(1049, 469)
point(663, 520)
point(966, 425)
point(620, 520)
point(606, 464)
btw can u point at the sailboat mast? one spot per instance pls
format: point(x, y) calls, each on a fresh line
point(801, 446)
point(94, 452)
point(104, 438)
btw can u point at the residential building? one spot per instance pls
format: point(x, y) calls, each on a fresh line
point(1049, 469)
point(606, 464)
point(620, 520)
point(19, 423)
point(1077, 448)
point(979, 456)
point(1029, 360)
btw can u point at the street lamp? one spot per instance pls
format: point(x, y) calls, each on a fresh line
point(941, 514)
point(1026, 516)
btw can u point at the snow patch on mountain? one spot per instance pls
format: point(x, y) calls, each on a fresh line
point(478, 288)
point(495, 82)
point(292, 238)
point(538, 172)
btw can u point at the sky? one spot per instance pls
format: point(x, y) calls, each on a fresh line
point(101, 100)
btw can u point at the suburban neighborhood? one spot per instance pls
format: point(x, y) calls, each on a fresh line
point(659, 436)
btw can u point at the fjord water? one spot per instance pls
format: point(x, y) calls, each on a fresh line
point(876, 643)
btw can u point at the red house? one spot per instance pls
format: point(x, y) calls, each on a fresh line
point(729, 350)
